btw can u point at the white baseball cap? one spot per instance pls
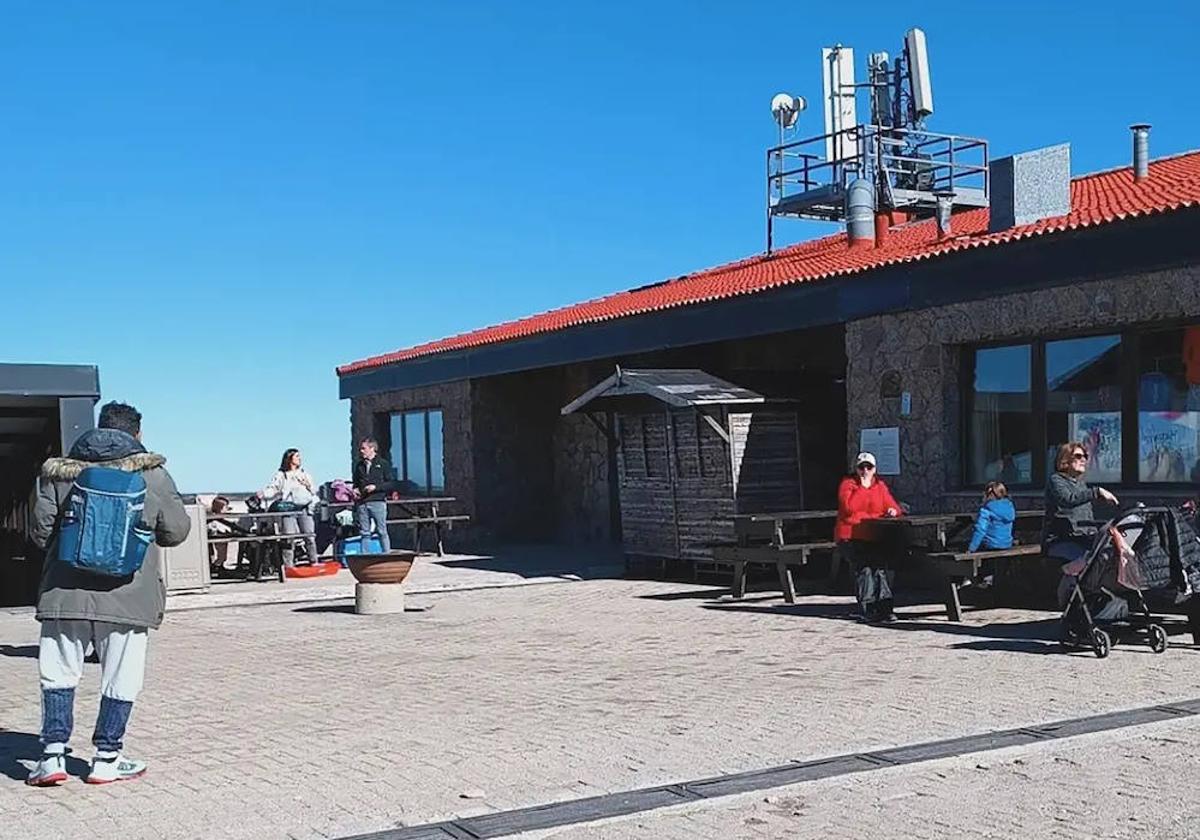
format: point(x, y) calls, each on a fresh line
point(864, 458)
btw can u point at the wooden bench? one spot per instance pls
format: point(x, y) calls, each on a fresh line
point(416, 523)
point(779, 556)
point(961, 566)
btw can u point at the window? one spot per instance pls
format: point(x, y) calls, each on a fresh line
point(417, 451)
point(1000, 441)
point(1132, 399)
point(1083, 401)
point(1168, 400)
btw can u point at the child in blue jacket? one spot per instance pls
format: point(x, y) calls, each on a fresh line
point(994, 525)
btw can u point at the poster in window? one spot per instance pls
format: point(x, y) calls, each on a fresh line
point(1167, 445)
point(1100, 433)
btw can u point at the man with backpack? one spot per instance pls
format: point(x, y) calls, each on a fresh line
point(97, 511)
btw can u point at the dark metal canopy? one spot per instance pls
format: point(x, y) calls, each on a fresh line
point(44, 407)
point(627, 389)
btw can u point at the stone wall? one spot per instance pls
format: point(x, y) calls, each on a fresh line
point(923, 349)
point(582, 468)
point(513, 417)
point(369, 416)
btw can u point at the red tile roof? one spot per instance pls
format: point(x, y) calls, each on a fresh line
point(1096, 199)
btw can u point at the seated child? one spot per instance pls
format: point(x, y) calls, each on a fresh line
point(994, 525)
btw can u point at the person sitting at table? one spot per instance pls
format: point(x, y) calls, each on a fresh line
point(218, 553)
point(993, 526)
point(1069, 527)
point(994, 522)
point(293, 489)
point(863, 496)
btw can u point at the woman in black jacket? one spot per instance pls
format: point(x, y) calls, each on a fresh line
point(1068, 529)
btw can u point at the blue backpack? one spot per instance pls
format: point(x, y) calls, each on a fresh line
point(101, 530)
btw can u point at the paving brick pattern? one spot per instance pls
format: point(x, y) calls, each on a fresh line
point(306, 721)
point(1138, 783)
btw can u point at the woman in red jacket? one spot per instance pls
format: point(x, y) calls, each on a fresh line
point(865, 496)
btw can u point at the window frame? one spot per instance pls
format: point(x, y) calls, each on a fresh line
point(400, 464)
point(1129, 365)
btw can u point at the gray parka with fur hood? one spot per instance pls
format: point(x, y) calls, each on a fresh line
point(66, 593)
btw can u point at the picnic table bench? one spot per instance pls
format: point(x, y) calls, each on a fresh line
point(960, 567)
point(782, 557)
point(761, 540)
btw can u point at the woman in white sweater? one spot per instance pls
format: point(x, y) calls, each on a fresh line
point(296, 489)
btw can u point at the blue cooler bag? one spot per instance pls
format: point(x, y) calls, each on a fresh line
point(355, 545)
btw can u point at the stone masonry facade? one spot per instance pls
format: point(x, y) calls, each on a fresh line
point(454, 400)
point(924, 349)
point(523, 472)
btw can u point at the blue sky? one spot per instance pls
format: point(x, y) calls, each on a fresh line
point(219, 202)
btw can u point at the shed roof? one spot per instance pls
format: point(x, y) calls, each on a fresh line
point(681, 388)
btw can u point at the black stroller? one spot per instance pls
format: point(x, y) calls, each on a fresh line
point(1144, 552)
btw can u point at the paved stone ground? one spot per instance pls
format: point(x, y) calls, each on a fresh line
point(1135, 783)
point(306, 721)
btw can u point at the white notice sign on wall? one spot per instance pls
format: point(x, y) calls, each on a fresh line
point(884, 444)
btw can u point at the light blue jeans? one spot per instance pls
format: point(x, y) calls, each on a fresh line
point(374, 512)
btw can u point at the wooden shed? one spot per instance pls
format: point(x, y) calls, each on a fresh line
point(692, 451)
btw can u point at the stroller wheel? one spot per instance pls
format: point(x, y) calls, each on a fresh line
point(1101, 643)
point(1158, 638)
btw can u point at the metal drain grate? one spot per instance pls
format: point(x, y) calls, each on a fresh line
point(575, 811)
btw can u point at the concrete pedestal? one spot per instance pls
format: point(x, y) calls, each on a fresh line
point(378, 598)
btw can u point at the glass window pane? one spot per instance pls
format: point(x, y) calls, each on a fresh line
point(414, 449)
point(998, 428)
point(1083, 401)
point(1169, 406)
point(437, 467)
point(395, 453)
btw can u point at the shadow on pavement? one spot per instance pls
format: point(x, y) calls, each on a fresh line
point(26, 651)
point(18, 746)
point(348, 609)
point(1030, 636)
point(710, 594)
point(584, 562)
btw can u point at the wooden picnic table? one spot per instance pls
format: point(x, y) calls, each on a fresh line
point(959, 567)
point(900, 528)
point(752, 527)
point(416, 519)
point(760, 539)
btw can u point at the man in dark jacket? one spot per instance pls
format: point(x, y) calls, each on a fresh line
point(112, 615)
point(373, 479)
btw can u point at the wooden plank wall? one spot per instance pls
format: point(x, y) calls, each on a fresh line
point(766, 461)
point(704, 486)
point(675, 489)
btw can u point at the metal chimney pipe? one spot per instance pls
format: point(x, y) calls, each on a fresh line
point(860, 213)
point(1141, 151)
point(945, 203)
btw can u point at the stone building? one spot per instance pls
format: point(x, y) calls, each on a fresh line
point(1069, 310)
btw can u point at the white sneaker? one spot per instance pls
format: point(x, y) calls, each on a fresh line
point(115, 768)
point(50, 771)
